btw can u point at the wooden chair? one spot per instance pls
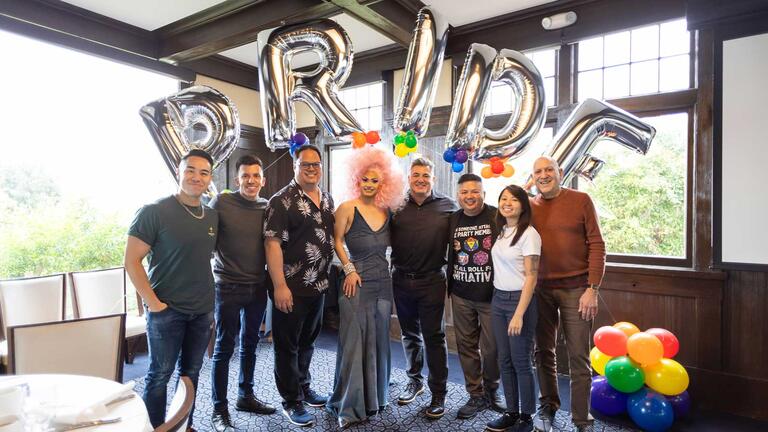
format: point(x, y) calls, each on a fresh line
point(29, 301)
point(86, 346)
point(104, 292)
point(181, 406)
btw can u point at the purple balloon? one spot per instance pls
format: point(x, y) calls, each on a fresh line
point(606, 399)
point(681, 404)
point(449, 155)
point(461, 156)
point(299, 138)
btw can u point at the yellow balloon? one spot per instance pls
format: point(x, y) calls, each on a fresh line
point(667, 377)
point(598, 360)
point(627, 327)
point(509, 171)
point(401, 150)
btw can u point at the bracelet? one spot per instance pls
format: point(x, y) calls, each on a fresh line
point(348, 268)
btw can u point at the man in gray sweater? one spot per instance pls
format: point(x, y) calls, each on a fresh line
point(241, 293)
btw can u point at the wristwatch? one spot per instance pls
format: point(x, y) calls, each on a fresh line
point(595, 288)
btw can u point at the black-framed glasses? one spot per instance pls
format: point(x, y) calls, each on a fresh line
point(308, 165)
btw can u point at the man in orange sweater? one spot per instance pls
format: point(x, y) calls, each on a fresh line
point(572, 267)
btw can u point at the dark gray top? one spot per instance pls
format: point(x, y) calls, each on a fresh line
point(420, 234)
point(180, 254)
point(240, 246)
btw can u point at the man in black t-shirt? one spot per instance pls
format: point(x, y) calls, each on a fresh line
point(298, 239)
point(473, 230)
point(178, 234)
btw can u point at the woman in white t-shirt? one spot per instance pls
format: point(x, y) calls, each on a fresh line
point(513, 308)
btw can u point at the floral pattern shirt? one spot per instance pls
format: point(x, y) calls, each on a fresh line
point(306, 238)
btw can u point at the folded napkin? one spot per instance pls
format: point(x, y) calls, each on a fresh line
point(92, 409)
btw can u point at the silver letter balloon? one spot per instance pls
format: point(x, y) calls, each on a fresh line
point(482, 67)
point(281, 86)
point(197, 117)
point(421, 73)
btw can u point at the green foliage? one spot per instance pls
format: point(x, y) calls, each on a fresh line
point(43, 234)
point(641, 199)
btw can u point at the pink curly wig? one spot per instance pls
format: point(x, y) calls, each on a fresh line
point(392, 191)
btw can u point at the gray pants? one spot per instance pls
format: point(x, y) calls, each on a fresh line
point(476, 345)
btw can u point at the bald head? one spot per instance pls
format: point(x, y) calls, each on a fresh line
point(547, 176)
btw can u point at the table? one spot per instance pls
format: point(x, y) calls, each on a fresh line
point(74, 391)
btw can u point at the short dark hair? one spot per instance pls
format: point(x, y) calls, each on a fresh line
point(248, 160)
point(199, 153)
point(307, 147)
point(468, 177)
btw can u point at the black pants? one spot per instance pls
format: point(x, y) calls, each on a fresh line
point(420, 304)
point(294, 335)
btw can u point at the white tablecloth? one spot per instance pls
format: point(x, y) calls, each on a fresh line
point(75, 391)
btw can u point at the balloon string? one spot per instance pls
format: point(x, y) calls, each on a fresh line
point(613, 319)
point(275, 161)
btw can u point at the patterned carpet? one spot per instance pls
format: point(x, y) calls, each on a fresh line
point(394, 417)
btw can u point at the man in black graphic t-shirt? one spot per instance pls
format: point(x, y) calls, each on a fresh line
point(470, 282)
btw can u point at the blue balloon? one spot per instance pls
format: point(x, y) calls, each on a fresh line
point(650, 411)
point(449, 155)
point(300, 138)
point(457, 167)
point(681, 404)
point(606, 399)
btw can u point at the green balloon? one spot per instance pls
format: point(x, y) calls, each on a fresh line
point(624, 375)
point(399, 139)
point(410, 133)
point(410, 141)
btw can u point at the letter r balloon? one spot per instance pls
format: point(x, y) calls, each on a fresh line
point(281, 86)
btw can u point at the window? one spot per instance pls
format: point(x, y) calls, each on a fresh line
point(78, 161)
point(645, 60)
point(365, 103)
point(500, 98)
point(641, 200)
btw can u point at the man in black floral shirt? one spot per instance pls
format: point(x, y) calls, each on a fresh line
point(298, 239)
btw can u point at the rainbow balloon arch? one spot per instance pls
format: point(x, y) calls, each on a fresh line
point(637, 376)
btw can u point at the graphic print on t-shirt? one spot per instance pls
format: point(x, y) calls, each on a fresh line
point(472, 264)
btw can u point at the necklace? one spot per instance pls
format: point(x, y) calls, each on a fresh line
point(511, 230)
point(202, 208)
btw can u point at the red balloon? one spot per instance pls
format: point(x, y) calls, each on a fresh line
point(611, 341)
point(668, 340)
point(497, 167)
point(372, 137)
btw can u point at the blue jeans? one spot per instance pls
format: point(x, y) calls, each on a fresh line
point(515, 351)
point(176, 340)
point(239, 311)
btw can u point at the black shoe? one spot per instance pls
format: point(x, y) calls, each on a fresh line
point(545, 418)
point(495, 401)
point(250, 403)
point(412, 390)
point(436, 408)
point(298, 415)
point(585, 428)
point(314, 399)
point(474, 405)
point(501, 424)
point(221, 422)
point(525, 424)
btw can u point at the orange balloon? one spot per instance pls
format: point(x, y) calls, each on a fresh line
point(358, 139)
point(486, 172)
point(627, 327)
point(509, 171)
point(645, 348)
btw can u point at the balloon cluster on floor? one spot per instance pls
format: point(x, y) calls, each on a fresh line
point(638, 376)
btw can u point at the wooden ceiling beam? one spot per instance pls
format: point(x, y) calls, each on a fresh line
point(389, 18)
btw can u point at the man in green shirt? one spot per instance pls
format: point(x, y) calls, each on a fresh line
point(177, 234)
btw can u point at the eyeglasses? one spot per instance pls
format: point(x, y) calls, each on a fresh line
point(308, 165)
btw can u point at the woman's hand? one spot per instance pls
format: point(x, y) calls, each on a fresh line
point(351, 282)
point(515, 325)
